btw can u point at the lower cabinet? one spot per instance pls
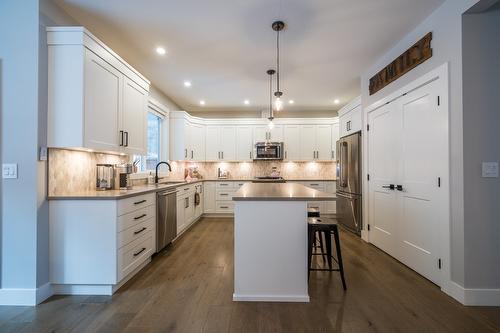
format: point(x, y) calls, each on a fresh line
point(209, 197)
point(97, 245)
point(187, 209)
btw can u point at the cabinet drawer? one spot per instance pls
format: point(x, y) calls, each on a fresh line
point(186, 189)
point(237, 185)
point(224, 207)
point(320, 186)
point(224, 184)
point(128, 235)
point(138, 216)
point(134, 203)
point(134, 254)
point(224, 195)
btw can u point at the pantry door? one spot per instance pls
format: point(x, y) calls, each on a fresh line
point(424, 132)
point(383, 156)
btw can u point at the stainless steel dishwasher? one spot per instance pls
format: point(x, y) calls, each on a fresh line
point(166, 218)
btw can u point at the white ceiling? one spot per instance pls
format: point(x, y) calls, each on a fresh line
point(224, 47)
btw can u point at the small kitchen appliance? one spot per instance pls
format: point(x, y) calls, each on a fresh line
point(105, 175)
point(122, 176)
point(268, 151)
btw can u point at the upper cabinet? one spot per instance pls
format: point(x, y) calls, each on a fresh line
point(244, 143)
point(187, 138)
point(315, 142)
point(351, 118)
point(96, 100)
point(262, 133)
point(220, 143)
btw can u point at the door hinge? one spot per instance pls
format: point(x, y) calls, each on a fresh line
point(439, 181)
point(439, 100)
point(439, 263)
point(368, 227)
point(368, 177)
point(367, 127)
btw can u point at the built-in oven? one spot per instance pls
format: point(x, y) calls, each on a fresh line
point(268, 151)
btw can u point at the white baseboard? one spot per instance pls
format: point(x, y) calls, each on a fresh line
point(473, 296)
point(271, 298)
point(25, 297)
point(82, 289)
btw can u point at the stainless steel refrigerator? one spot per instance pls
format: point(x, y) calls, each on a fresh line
point(349, 203)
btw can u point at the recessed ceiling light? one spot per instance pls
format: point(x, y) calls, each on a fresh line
point(291, 101)
point(202, 102)
point(187, 84)
point(336, 101)
point(246, 102)
point(160, 50)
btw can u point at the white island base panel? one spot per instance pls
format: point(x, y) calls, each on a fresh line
point(270, 251)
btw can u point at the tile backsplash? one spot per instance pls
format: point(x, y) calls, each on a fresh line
point(75, 171)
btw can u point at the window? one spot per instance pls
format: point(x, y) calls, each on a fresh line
point(154, 144)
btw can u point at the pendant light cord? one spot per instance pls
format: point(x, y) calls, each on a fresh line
point(278, 61)
point(271, 116)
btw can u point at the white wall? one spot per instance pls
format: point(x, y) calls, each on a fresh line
point(19, 141)
point(481, 114)
point(446, 26)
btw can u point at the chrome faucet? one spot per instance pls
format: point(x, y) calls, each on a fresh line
point(157, 165)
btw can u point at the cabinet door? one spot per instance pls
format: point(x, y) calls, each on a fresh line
point(181, 206)
point(134, 116)
point(276, 134)
point(324, 142)
point(260, 134)
point(335, 138)
point(189, 211)
point(330, 206)
point(291, 138)
point(244, 143)
point(209, 197)
point(345, 122)
point(356, 119)
point(197, 142)
point(307, 142)
point(103, 99)
point(228, 143)
point(212, 143)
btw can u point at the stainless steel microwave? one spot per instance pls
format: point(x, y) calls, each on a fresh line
point(268, 151)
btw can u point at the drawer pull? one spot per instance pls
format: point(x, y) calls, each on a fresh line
point(224, 184)
point(139, 202)
point(224, 194)
point(137, 253)
point(139, 231)
point(140, 217)
point(186, 189)
point(314, 184)
point(226, 207)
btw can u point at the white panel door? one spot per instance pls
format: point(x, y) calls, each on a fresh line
point(244, 143)
point(324, 142)
point(291, 138)
point(307, 142)
point(103, 98)
point(422, 136)
point(134, 117)
point(260, 134)
point(228, 143)
point(212, 143)
point(197, 142)
point(335, 138)
point(383, 156)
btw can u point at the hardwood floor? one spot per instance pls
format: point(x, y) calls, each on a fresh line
point(189, 287)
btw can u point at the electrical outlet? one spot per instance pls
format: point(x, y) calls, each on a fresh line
point(9, 170)
point(490, 170)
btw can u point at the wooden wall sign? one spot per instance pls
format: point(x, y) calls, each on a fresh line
point(411, 58)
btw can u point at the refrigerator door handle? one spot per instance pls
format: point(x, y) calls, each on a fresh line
point(343, 167)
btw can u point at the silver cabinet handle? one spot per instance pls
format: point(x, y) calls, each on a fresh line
point(333, 154)
point(250, 154)
point(222, 154)
point(121, 138)
point(224, 194)
point(185, 153)
point(192, 154)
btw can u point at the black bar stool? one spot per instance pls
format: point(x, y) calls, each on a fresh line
point(327, 227)
point(318, 239)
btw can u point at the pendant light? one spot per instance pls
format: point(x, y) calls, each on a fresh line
point(270, 125)
point(278, 103)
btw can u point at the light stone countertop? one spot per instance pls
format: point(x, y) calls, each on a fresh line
point(144, 189)
point(280, 192)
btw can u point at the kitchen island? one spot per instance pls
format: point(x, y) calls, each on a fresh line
point(270, 241)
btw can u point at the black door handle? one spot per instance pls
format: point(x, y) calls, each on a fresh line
point(399, 187)
point(390, 186)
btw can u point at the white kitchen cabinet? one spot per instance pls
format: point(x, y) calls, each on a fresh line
point(291, 139)
point(181, 208)
point(335, 138)
point(263, 133)
point(330, 206)
point(95, 99)
point(244, 143)
point(315, 142)
point(351, 118)
point(197, 142)
point(117, 238)
point(220, 143)
point(187, 140)
point(134, 118)
point(209, 197)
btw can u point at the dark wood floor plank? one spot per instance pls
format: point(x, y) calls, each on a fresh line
point(189, 287)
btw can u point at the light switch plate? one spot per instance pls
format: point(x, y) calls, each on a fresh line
point(42, 154)
point(9, 170)
point(490, 170)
